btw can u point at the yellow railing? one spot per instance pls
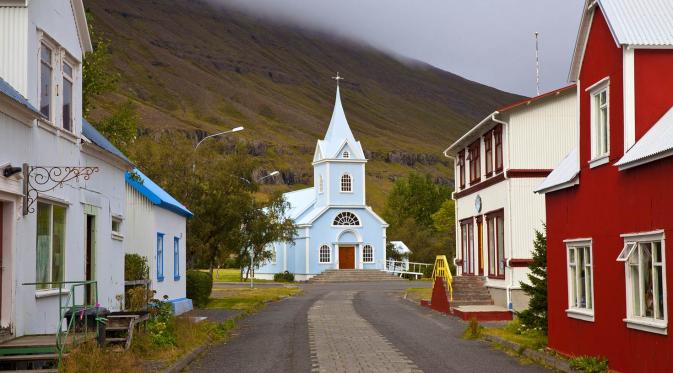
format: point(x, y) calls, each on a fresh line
point(441, 269)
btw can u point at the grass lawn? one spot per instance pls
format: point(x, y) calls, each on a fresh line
point(416, 294)
point(248, 300)
point(513, 332)
point(229, 275)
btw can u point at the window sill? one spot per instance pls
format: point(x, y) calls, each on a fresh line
point(580, 314)
point(50, 293)
point(176, 278)
point(658, 327)
point(117, 236)
point(346, 192)
point(50, 127)
point(599, 161)
point(160, 279)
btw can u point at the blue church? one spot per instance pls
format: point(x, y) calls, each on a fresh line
point(335, 227)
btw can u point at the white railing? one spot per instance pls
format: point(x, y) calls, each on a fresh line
point(402, 267)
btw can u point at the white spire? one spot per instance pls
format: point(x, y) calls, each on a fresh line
point(339, 133)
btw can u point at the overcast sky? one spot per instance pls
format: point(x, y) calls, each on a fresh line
point(489, 41)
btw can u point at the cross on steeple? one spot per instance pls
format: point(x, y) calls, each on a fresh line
point(337, 78)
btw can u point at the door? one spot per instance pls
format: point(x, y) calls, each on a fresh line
point(90, 258)
point(467, 246)
point(480, 245)
point(346, 257)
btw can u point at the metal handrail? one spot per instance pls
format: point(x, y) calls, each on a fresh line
point(404, 267)
point(61, 335)
point(441, 269)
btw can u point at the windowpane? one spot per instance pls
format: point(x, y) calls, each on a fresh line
point(324, 254)
point(346, 183)
point(176, 257)
point(45, 90)
point(491, 248)
point(635, 287)
point(501, 245)
point(160, 257)
point(43, 244)
point(464, 245)
point(67, 105)
point(648, 288)
point(659, 288)
point(581, 290)
point(67, 70)
point(367, 254)
point(58, 243)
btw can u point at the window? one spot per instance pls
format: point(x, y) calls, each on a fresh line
point(461, 169)
point(346, 183)
point(488, 153)
point(325, 254)
point(116, 228)
point(176, 258)
point(368, 254)
point(467, 244)
point(475, 162)
point(345, 219)
point(580, 280)
point(160, 257)
point(643, 256)
point(50, 247)
point(496, 244)
point(346, 154)
point(45, 81)
point(600, 125)
point(497, 138)
point(320, 184)
point(67, 96)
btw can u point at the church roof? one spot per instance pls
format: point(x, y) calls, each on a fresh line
point(299, 201)
point(339, 136)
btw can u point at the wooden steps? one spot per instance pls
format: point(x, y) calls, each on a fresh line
point(120, 327)
point(470, 290)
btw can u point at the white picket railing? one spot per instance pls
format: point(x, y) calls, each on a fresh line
point(402, 267)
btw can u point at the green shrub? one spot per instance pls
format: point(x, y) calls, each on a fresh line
point(284, 277)
point(199, 287)
point(136, 267)
point(589, 364)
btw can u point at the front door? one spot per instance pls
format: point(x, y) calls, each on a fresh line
point(346, 257)
point(90, 257)
point(480, 245)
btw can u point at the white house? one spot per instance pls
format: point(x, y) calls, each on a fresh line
point(62, 185)
point(498, 164)
point(156, 226)
point(336, 228)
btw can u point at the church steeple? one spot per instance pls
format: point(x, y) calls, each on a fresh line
point(339, 137)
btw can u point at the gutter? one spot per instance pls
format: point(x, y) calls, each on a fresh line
point(468, 134)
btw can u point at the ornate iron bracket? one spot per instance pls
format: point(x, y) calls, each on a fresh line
point(42, 179)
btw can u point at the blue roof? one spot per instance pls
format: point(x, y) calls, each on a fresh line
point(9, 91)
point(97, 138)
point(156, 194)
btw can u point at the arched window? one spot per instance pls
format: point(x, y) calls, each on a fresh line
point(320, 184)
point(346, 218)
point(368, 254)
point(325, 254)
point(346, 183)
point(346, 154)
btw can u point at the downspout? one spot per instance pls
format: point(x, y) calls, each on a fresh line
point(456, 228)
point(510, 285)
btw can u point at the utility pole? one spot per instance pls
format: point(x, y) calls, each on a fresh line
point(537, 64)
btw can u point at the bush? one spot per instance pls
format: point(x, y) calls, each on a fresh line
point(138, 297)
point(590, 364)
point(199, 287)
point(135, 268)
point(284, 277)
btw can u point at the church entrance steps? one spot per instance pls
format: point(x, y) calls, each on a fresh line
point(482, 313)
point(354, 275)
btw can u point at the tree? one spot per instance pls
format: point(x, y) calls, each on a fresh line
point(121, 127)
point(535, 317)
point(97, 74)
point(263, 225)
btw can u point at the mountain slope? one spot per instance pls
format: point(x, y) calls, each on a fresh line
point(195, 68)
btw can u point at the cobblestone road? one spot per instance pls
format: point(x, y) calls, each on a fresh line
point(342, 341)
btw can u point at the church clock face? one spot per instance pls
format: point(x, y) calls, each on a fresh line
point(477, 204)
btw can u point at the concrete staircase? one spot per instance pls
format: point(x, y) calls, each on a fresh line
point(354, 275)
point(470, 290)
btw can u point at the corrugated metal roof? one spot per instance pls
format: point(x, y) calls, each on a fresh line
point(640, 22)
point(655, 144)
point(563, 175)
point(400, 247)
point(9, 91)
point(156, 194)
point(91, 133)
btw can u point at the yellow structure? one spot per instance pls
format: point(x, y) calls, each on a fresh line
point(441, 269)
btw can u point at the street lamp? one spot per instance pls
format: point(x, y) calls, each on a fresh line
point(218, 134)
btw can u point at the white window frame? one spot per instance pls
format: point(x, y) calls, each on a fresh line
point(357, 218)
point(321, 184)
point(346, 154)
point(350, 183)
point(648, 324)
point(71, 79)
point(599, 158)
point(117, 234)
point(51, 118)
point(50, 261)
point(363, 253)
point(329, 253)
point(581, 313)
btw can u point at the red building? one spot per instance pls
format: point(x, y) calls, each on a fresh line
point(609, 203)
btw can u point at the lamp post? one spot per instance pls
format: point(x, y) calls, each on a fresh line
point(237, 129)
point(252, 261)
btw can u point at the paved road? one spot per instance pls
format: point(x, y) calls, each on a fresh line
point(353, 327)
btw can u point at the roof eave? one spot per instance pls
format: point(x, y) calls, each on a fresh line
point(452, 149)
point(553, 188)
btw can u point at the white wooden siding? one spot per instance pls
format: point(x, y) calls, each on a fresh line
point(542, 134)
point(13, 47)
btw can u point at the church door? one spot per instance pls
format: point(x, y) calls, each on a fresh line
point(346, 257)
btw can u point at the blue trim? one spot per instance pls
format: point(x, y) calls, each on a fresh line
point(155, 193)
point(97, 138)
point(9, 91)
point(176, 258)
point(160, 254)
